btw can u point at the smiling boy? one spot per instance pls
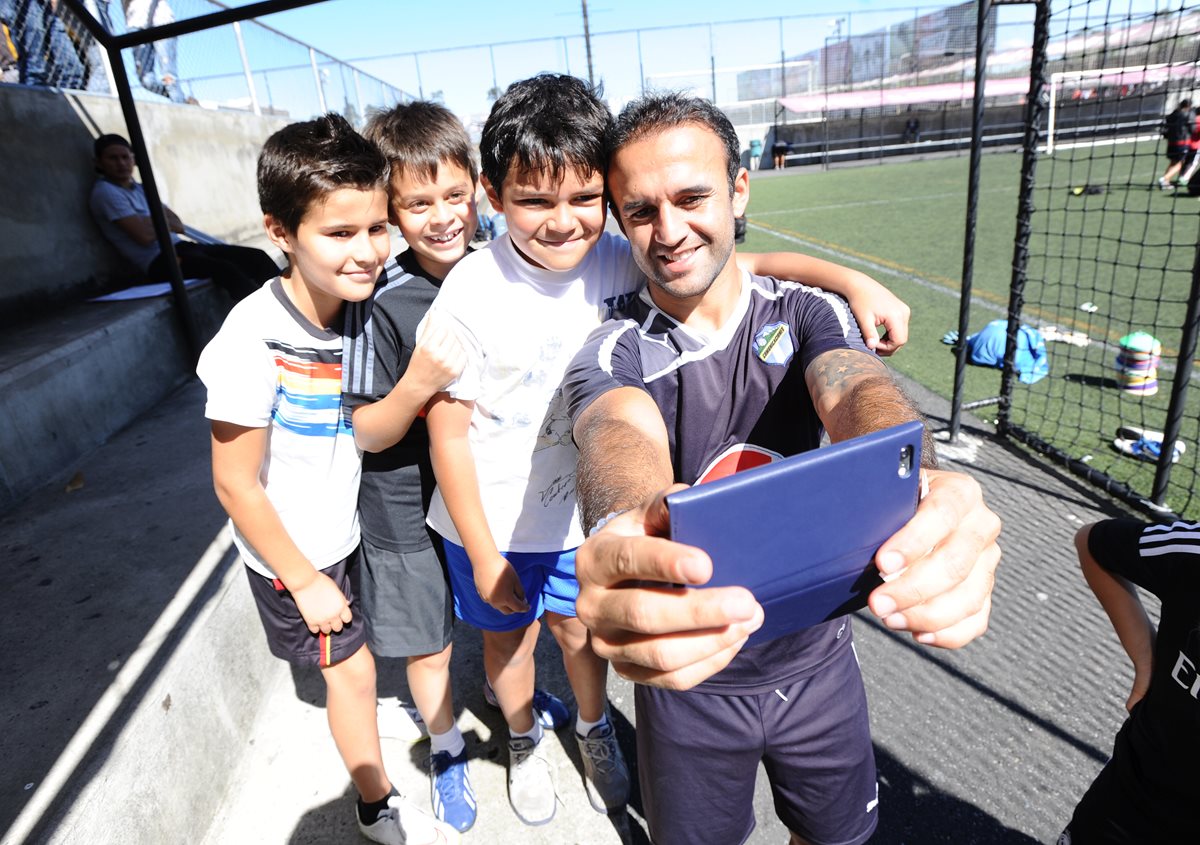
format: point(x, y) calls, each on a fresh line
point(501, 451)
point(285, 466)
point(392, 370)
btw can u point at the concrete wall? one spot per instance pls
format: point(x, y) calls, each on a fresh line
point(50, 250)
point(66, 385)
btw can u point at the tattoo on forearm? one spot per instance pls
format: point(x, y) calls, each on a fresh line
point(839, 370)
point(865, 398)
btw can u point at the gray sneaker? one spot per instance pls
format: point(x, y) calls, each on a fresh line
point(605, 774)
point(530, 781)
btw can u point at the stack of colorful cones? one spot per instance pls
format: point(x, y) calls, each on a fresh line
point(1137, 363)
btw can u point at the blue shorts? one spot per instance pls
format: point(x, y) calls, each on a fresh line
point(548, 579)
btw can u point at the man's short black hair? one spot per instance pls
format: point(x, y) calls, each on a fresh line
point(303, 163)
point(545, 124)
point(419, 136)
point(105, 141)
point(655, 113)
point(1185, 104)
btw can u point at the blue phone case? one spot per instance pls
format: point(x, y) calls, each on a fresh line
point(801, 533)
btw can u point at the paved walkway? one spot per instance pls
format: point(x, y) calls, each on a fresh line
point(991, 744)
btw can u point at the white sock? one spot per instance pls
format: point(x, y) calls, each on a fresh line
point(534, 733)
point(583, 728)
point(451, 740)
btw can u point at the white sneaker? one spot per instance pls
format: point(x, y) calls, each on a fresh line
point(400, 720)
point(403, 824)
point(530, 781)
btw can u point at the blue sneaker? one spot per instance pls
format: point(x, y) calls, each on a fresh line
point(547, 707)
point(450, 789)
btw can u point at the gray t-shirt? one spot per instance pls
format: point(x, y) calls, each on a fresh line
point(110, 203)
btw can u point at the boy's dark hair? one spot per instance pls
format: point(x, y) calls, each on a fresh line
point(303, 163)
point(547, 123)
point(417, 137)
point(655, 113)
point(110, 140)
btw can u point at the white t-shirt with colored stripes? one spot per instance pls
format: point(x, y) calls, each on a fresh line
point(269, 367)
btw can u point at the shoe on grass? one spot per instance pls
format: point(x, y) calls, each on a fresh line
point(403, 824)
point(450, 789)
point(1133, 432)
point(548, 708)
point(530, 781)
point(1146, 450)
point(605, 773)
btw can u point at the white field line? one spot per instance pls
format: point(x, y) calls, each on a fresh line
point(81, 743)
point(849, 258)
point(976, 302)
point(886, 201)
point(1104, 142)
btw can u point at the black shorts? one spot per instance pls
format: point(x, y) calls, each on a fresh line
point(288, 636)
point(1177, 152)
point(698, 756)
point(405, 600)
point(1118, 810)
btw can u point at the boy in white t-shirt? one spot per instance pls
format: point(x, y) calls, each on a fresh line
point(285, 465)
point(501, 435)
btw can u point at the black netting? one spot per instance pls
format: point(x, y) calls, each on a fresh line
point(1111, 245)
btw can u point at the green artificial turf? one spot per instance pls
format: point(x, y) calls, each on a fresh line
point(1128, 250)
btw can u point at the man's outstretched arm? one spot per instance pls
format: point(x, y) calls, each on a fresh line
point(642, 619)
point(944, 559)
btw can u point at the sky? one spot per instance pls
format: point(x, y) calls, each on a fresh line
point(365, 30)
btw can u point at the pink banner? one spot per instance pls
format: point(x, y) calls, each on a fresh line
point(865, 99)
point(949, 91)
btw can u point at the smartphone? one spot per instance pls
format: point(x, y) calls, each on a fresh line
point(801, 533)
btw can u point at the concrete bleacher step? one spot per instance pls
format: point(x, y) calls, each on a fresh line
point(70, 381)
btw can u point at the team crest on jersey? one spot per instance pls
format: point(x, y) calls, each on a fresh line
point(773, 344)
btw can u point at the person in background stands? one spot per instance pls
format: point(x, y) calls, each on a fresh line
point(155, 62)
point(119, 206)
point(1177, 129)
point(45, 53)
point(779, 151)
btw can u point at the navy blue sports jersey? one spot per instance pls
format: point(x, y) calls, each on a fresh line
point(731, 401)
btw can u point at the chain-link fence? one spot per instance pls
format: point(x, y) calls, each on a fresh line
point(820, 85)
point(245, 66)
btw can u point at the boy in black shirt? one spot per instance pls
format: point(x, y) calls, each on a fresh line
point(1144, 792)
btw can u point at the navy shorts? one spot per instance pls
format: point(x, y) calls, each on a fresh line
point(288, 636)
point(548, 579)
point(698, 756)
point(405, 600)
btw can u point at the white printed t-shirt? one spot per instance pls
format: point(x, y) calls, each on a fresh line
point(269, 367)
point(521, 325)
